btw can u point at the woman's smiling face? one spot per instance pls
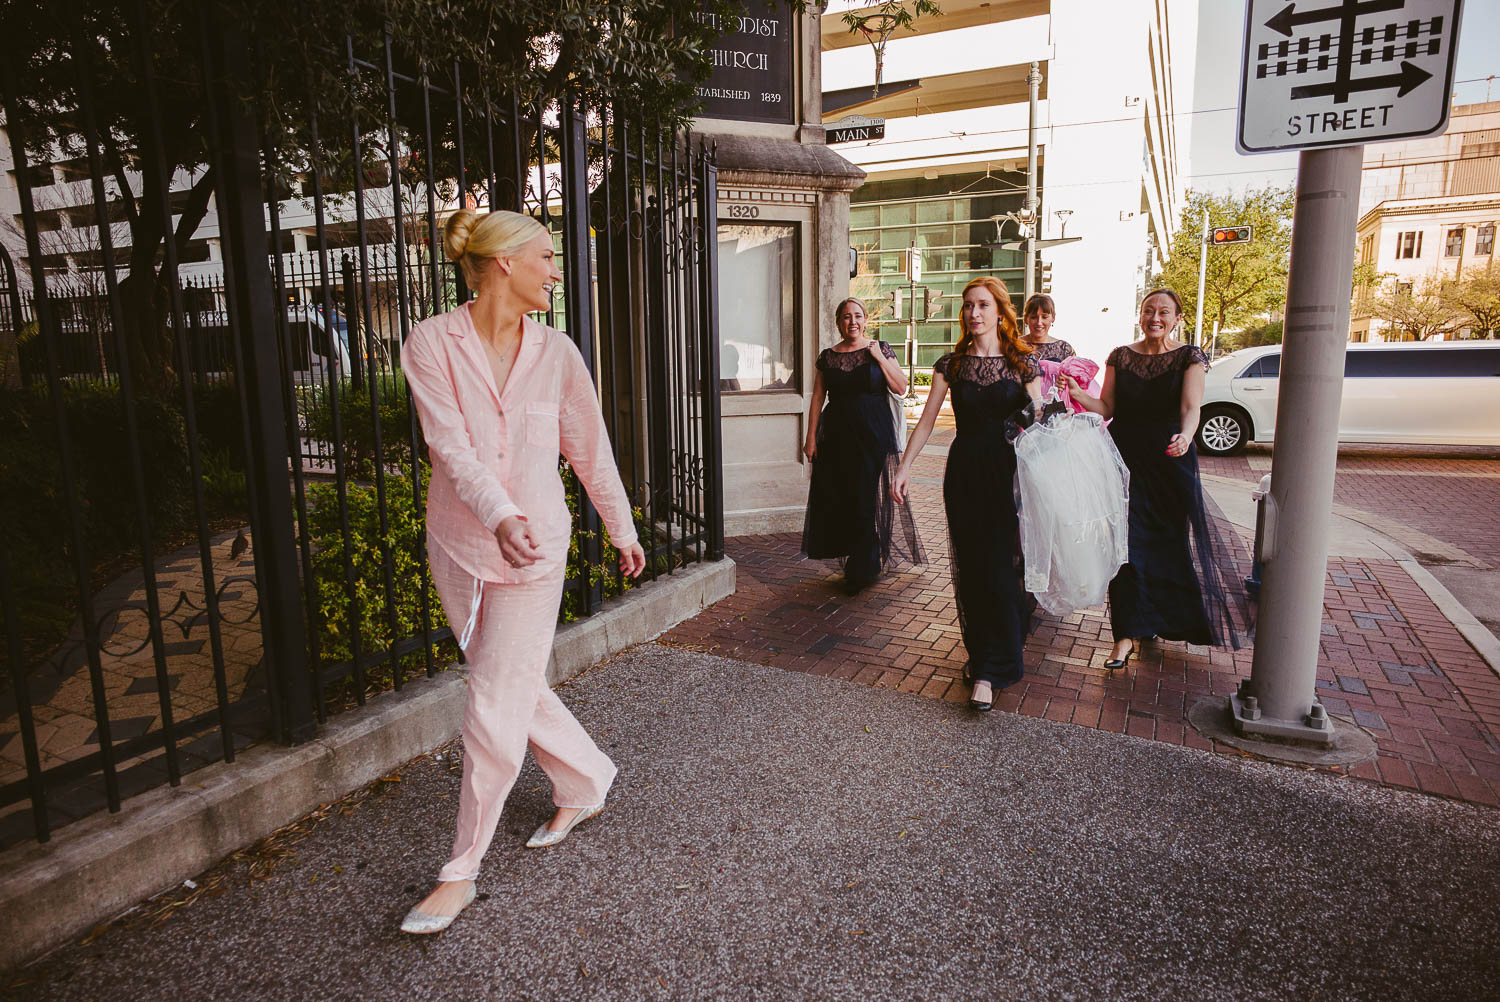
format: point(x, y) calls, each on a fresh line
point(851, 321)
point(1159, 315)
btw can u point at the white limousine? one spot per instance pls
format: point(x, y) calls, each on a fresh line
point(1433, 393)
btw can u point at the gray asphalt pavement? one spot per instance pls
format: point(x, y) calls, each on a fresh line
point(778, 836)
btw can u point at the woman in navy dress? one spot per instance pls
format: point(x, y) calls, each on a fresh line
point(854, 446)
point(993, 376)
point(1174, 584)
point(1039, 315)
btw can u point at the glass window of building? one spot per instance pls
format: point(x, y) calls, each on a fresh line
point(1484, 240)
point(1455, 244)
point(951, 221)
point(1409, 244)
point(758, 278)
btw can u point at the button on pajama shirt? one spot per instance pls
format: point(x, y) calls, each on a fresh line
point(494, 454)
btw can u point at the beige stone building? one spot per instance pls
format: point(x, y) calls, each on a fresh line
point(1429, 209)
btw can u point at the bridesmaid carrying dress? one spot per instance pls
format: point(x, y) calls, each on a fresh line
point(993, 375)
point(1174, 584)
point(1039, 315)
point(854, 447)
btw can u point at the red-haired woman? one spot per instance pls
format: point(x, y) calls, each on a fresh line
point(1174, 585)
point(992, 374)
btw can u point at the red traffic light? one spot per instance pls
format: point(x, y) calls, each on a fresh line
point(1232, 235)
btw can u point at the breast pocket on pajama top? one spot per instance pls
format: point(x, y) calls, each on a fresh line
point(542, 427)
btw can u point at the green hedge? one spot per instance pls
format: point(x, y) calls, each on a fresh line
point(35, 524)
point(358, 421)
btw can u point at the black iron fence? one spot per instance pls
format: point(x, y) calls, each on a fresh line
point(213, 488)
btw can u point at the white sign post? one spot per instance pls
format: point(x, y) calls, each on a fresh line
point(1326, 73)
point(1323, 77)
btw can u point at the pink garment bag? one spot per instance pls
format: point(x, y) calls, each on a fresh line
point(1083, 371)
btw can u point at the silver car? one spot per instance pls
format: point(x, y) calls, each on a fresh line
point(1417, 393)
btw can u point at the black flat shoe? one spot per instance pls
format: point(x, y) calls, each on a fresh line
point(982, 705)
point(1114, 664)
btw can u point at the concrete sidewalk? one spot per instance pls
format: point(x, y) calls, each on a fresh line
point(776, 835)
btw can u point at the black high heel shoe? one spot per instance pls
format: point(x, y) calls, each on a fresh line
point(1115, 664)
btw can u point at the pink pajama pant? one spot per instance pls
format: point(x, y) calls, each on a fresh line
point(510, 707)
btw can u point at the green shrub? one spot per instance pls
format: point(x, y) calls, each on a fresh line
point(358, 421)
point(404, 538)
point(35, 522)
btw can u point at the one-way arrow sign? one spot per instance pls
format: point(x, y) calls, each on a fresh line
point(1410, 77)
point(1344, 72)
point(1288, 17)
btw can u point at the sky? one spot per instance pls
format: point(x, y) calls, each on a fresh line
point(1215, 164)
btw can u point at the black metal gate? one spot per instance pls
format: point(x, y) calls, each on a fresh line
point(214, 487)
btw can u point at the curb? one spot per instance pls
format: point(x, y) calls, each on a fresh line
point(1472, 630)
point(105, 864)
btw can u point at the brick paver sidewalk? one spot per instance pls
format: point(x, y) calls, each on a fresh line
point(1390, 661)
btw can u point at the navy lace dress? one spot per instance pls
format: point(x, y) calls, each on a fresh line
point(850, 514)
point(983, 528)
point(1175, 585)
point(1052, 351)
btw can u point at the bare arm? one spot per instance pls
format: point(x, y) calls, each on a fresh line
point(895, 377)
point(919, 436)
point(1192, 402)
point(1104, 403)
point(814, 413)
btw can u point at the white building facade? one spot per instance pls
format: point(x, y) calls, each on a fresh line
point(1112, 152)
point(1429, 210)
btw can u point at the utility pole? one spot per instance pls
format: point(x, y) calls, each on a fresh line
point(1280, 698)
point(1202, 273)
point(1033, 83)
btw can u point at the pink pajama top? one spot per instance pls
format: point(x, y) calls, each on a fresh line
point(494, 450)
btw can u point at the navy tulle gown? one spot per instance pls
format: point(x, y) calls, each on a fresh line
point(1175, 585)
point(983, 527)
point(850, 515)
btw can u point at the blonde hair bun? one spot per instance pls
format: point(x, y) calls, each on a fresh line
point(456, 233)
point(473, 240)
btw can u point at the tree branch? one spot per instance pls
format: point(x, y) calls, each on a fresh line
point(194, 210)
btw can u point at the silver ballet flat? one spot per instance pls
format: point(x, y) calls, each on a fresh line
point(542, 837)
point(418, 921)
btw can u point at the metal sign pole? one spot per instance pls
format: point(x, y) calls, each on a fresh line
point(1202, 274)
point(1280, 698)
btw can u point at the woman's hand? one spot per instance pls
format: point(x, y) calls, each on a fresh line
point(874, 349)
point(810, 449)
point(1178, 445)
point(516, 545)
point(1068, 386)
point(899, 485)
point(632, 560)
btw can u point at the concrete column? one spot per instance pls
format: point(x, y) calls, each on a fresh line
point(1280, 697)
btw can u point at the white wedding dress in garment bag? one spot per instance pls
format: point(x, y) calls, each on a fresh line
point(1073, 492)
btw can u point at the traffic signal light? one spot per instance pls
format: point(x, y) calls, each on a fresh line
point(1232, 235)
point(1046, 284)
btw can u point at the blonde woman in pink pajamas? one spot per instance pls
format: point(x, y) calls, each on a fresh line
point(500, 395)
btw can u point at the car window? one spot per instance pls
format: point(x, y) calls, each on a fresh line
point(1265, 367)
point(1442, 363)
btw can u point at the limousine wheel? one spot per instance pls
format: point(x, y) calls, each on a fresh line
point(1222, 432)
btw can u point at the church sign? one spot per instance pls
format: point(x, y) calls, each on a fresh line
point(754, 65)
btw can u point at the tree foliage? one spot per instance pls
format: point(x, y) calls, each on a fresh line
point(61, 58)
point(1416, 313)
point(1477, 296)
point(1244, 281)
point(880, 22)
